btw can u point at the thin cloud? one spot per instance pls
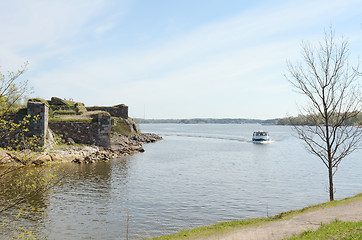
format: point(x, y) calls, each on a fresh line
point(33, 28)
point(217, 63)
point(245, 31)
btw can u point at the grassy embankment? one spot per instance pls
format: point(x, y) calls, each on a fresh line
point(225, 227)
point(334, 230)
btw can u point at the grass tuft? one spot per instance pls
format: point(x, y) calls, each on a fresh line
point(333, 230)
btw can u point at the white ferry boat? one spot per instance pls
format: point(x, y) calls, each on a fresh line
point(261, 137)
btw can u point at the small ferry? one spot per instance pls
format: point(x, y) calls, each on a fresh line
point(261, 137)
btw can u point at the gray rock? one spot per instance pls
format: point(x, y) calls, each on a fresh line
point(70, 141)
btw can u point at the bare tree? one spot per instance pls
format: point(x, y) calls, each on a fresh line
point(334, 97)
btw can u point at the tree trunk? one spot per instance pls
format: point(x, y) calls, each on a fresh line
point(330, 173)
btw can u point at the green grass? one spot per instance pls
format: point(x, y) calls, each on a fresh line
point(334, 230)
point(69, 103)
point(64, 112)
point(225, 227)
point(70, 118)
point(55, 107)
point(86, 117)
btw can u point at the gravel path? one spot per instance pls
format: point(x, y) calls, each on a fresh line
point(286, 228)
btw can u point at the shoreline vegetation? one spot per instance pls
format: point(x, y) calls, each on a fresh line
point(299, 120)
point(223, 229)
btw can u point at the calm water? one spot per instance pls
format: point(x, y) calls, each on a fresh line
point(198, 175)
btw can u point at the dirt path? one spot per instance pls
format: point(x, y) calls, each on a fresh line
point(286, 228)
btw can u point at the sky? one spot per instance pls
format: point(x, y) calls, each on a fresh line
point(171, 58)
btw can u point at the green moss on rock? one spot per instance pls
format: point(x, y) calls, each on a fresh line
point(80, 108)
point(38, 100)
point(67, 118)
point(94, 114)
point(57, 107)
point(123, 126)
point(64, 112)
point(61, 102)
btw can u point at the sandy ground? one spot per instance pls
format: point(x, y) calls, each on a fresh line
point(298, 224)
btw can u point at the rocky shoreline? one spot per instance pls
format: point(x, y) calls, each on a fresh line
point(120, 146)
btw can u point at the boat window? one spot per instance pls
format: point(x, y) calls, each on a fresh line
point(259, 134)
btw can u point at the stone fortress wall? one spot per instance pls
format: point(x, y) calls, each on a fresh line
point(26, 123)
point(40, 127)
point(96, 130)
point(115, 111)
point(93, 133)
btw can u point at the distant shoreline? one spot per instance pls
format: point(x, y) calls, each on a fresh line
point(287, 121)
point(210, 121)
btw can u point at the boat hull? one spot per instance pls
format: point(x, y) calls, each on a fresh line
point(260, 141)
point(260, 137)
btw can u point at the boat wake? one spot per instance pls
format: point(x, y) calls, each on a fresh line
point(263, 142)
point(229, 138)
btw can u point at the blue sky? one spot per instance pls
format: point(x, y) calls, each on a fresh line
point(171, 59)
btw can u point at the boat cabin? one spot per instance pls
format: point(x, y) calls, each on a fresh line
point(260, 136)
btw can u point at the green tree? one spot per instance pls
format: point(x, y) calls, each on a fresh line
point(331, 86)
point(13, 90)
point(14, 133)
point(20, 184)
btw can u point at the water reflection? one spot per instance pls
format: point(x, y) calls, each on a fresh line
point(24, 198)
point(82, 194)
point(86, 196)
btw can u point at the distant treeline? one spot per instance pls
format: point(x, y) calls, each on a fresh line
point(312, 119)
point(209, 121)
point(299, 120)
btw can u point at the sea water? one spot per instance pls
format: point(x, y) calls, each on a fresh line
point(197, 175)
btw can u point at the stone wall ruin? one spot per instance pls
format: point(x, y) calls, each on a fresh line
point(39, 128)
point(92, 133)
point(93, 127)
point(120, 110)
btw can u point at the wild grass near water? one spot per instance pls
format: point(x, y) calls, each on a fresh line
point(334, 230)
point(225, 227)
